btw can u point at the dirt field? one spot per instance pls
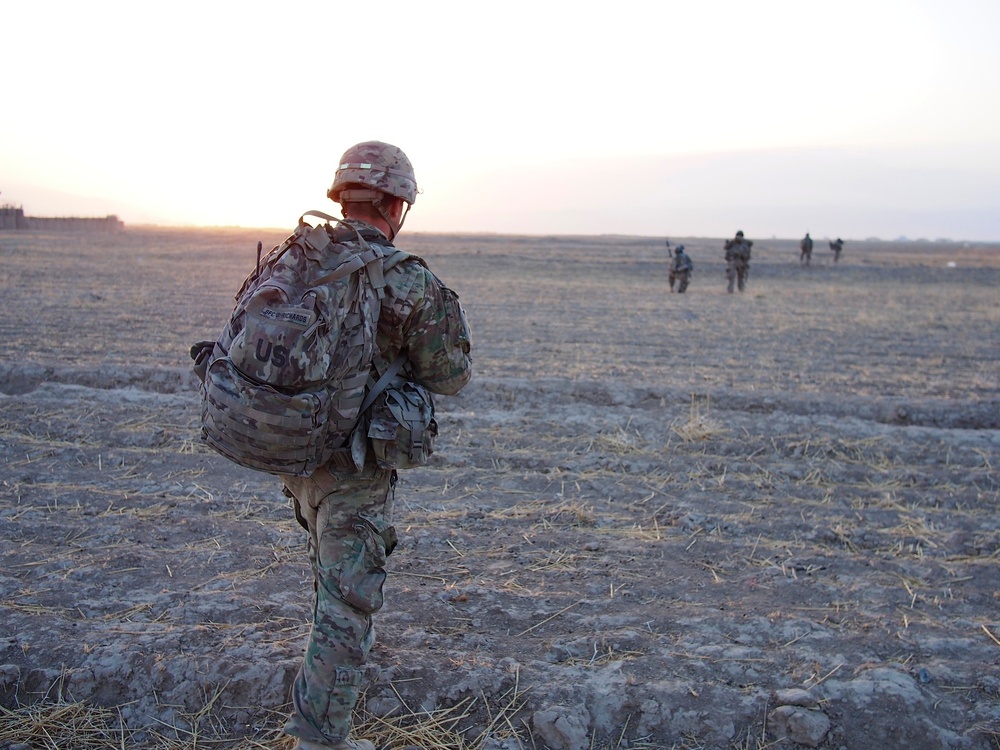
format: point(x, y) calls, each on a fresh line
point(654, 520)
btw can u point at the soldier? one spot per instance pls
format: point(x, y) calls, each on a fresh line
point(836, 247)
point(737, 261)
point(348, 516)
point(680, 270)
point(806, 248)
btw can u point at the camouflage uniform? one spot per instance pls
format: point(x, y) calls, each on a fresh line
point(836, 247)
point(737, 261)
point(806, 250)
point(349, 517)
point(680, 270)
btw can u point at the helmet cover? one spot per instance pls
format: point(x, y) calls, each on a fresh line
point(376, 165)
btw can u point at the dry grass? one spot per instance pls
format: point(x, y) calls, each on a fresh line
point(619, 441)
point(59, 725)
point(445, 729)
point(63, 725)
point(698, 426)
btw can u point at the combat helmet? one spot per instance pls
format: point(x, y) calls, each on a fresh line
point(373, 167)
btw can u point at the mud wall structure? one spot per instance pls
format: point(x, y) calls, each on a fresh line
point(14, 218)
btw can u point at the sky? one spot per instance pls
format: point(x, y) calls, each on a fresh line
point(870, 118)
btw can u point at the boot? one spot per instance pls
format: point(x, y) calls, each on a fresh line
point(346, 744)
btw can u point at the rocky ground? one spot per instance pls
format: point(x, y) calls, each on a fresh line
point(654, 520)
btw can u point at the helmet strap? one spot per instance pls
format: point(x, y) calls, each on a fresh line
point(384, 212)
point(402, 218)
point(375, 198)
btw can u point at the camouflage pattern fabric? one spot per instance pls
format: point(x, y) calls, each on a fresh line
point(737, 262)
point(680, 271)
point(806, 250)
point(836, 247)
point(402, 428)
point(423, 316)
point(376, 165)
point(349, 516)
point(682, 263)
point(304, 326)
point(349, 522)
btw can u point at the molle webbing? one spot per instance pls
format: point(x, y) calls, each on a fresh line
point(286, 388)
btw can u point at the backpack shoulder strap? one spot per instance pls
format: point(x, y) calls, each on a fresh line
point(398, 256)
point(390, 259)
point(371, 255)
point(319, 214)
point(383, 382)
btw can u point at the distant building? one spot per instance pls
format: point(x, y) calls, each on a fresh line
point(12, 217)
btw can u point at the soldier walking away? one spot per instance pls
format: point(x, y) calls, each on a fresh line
point(836, 247)
point(346, 504)
point(737, 261)
point(806, 248)
point(680, 270)
point(349, 517)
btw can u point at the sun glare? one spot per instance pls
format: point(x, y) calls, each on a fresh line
point(209, 122)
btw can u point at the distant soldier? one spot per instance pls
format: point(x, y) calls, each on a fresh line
point(837, 247)
point(806, 247)
point(737, 261)
point(680, 270)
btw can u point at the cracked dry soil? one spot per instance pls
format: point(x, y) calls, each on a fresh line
point(654, 520)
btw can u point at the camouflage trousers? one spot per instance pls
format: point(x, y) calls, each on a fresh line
point(736, 273)
point(350, 535)
point(682, 278)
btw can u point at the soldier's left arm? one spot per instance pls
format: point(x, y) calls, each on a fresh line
point(437, 338)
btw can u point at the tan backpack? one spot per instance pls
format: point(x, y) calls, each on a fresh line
point(285, 383)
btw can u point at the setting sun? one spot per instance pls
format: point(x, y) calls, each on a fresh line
point(673, 118)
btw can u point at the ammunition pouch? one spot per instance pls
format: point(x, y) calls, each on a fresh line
point(401, 426)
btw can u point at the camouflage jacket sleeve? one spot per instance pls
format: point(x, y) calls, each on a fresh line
point(424, 317)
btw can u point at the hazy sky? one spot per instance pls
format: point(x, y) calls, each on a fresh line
point(857, 119)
